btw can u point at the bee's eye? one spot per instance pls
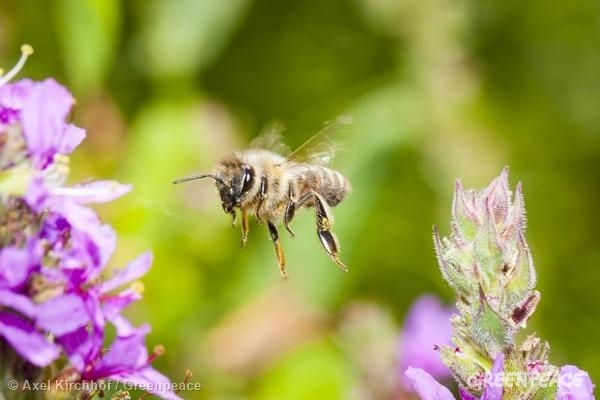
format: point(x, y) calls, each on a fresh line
point(247, 178)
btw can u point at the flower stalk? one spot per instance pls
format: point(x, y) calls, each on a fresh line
point(487, 262)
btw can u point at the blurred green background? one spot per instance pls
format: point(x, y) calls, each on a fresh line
point(436, 89)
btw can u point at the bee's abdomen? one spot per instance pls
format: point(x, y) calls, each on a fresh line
point(328, 183)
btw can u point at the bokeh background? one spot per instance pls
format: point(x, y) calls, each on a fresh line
point(436, 90)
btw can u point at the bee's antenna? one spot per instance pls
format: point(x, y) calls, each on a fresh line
point(194, 177)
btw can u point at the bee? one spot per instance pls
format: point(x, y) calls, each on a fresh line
point(262, 182)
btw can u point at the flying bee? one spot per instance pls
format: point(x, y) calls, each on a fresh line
point(260, 181)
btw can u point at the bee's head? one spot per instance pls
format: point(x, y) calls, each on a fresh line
point(233, 180)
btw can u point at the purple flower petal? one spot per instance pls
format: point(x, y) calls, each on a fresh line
point(37, 194)
point(112, 307)
point(93, 192)
point(82, 346)
point(43, 118)
point(123, 326)
point(22, 336)
point(94, 303)
point(464, 395)
point(574, 384)
point(427, 325)
point(127, 361)
point(97, 240)
point(72, 137)
point(493, 392)
point(11, 100)
point(18, 302)
point(115, 304)
point(126, 353)
point(15, 265)
point(426, 386)
point(134, 270)
point(62, 314)
point(151, 381)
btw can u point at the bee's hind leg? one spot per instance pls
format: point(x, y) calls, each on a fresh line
point(327, 238)
point(290, 210)
point(278, 249)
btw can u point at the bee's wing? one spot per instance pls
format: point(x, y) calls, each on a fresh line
point(320, 148)
point(271, 139)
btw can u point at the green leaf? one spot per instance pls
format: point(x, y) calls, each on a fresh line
point(489, 330)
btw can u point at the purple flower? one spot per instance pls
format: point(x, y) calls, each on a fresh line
point(427, 326)
point(574, 384)
point(54, 249)
point(78, 321)
point(126, 360)
point(429, 389)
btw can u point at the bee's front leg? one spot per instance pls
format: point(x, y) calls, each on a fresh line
point(262, 194)
point(233, 218)
point(278, 249)
point(327, 238)
point(244, 227)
